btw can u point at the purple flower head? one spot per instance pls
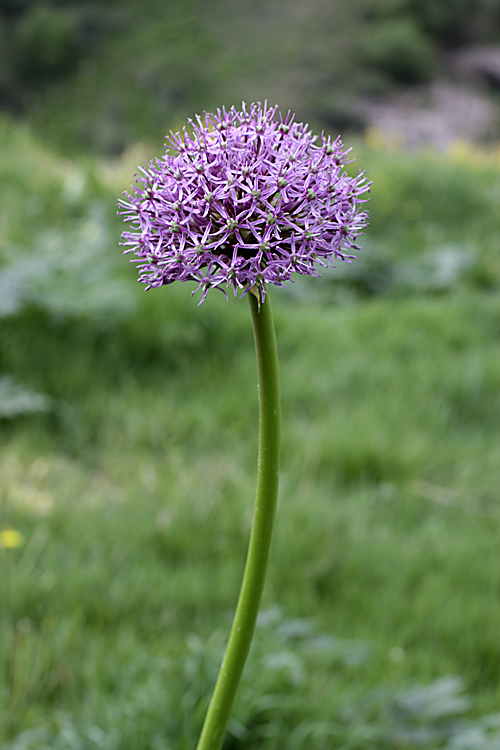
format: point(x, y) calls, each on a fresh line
point(244, 199)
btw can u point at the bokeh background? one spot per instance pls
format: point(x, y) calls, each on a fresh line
point(99, 76)
point(128, 421)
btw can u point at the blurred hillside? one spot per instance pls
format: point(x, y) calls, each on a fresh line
point(100, 75)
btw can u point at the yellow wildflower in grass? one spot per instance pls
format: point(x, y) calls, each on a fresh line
point(10, 538)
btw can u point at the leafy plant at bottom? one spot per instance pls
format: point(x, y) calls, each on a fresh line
point(161, 703)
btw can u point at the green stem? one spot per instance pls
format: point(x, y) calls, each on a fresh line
point(254, 576)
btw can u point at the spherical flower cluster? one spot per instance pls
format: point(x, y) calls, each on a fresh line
point(243, 199)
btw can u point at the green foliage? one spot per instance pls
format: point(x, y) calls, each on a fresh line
point(149, 712)
point(401, 39)
point(450, 22)
point(399, 50)
point(458, 21)
point(16, 400)
point(99, 76)
point(67, 273)
point(45, 43)
point(133, 489)
point(102, 75)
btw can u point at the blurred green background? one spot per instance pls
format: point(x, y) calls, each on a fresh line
point(128, 421)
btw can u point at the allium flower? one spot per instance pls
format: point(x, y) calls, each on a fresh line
point(244, 199)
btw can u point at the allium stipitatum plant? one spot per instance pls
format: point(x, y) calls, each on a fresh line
point(244, 199)
point(241, 200)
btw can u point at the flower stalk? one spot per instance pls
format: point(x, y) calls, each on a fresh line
point(242, 200)
point(254, 576)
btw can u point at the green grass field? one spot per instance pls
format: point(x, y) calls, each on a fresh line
point(132, 481)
